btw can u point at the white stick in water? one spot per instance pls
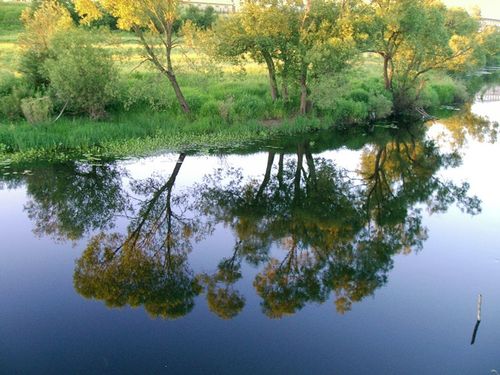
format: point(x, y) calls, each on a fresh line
point(479, 301)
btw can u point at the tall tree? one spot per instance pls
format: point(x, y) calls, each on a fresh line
point(414, 37)
point(153, 23)
point(298, 40)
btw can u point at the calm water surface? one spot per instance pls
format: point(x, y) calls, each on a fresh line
point(305, 257)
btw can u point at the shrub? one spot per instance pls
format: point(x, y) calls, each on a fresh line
point(10, 104)
point(150, 90)
point(250, 106)
point(428, 98)
point(195, 99)
point(36, 110)
point(379, 106)
point(348, 111)
point(359, 95)
point(226, 108)
point(81, 74)
point(7, 82)
point(210, 109)
point(41, 23)
point(445, 92)
point(31, 64)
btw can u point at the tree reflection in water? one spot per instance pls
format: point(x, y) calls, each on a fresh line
point(338, 229)
point(148, 266)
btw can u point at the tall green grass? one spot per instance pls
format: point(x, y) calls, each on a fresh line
point(137, 133)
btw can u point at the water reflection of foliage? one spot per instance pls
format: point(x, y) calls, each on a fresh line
point(338, 235)
point(339, 230)
point(149, 265)
point(68, 200)
point(469, 125)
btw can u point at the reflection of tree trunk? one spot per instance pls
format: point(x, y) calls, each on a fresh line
point(280, 171)
point(272, 74)
point(310, 163)
point(375, 177)
point(134, 236)
point(170, 183)
point(298, 172)
point(267, 176)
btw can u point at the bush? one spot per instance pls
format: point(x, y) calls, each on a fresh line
point(359, 95)
point(10, 104)
point(36, 110)
point(348, 111)
point(379, 106)
point(41, 22)
point(210, 109)
point(150, 90)
point(445, 92)
point(195, 99)
point(250, 106)
point(429, 98)
point(7, 82)
point(31, 64)
point(82, 74)
point(353, 100)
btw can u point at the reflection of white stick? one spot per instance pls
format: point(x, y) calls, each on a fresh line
point(479, 301)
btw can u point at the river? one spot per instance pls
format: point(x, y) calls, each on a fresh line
point(301, 256)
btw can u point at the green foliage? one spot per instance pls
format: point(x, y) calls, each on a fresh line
point(12, 92)
point(195, 98)
point(41, 22)
point(202, 19)
point(7, 82)
point(146, 90)
point(31, 64)
point(349, 111)
point(415, 37)
point(210, 109)
point(249, 106)
point(81, 74)
point(353, 100)
point(36, 110)
point(442, 91)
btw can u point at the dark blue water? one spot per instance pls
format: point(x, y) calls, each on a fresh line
point(297, 259)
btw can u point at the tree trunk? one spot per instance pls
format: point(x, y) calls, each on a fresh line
point(387, 73)
point(284, 90)
point(170, 71)
point(273, 83)
point(178, 93)
point(303, 92)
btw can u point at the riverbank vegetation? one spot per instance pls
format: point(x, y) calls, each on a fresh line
point(119, 77)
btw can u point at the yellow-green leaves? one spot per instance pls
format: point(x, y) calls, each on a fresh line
point(40, 25)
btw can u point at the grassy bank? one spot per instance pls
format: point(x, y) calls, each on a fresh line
point(230, 104)
point(137, 135)
point(146, 119)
